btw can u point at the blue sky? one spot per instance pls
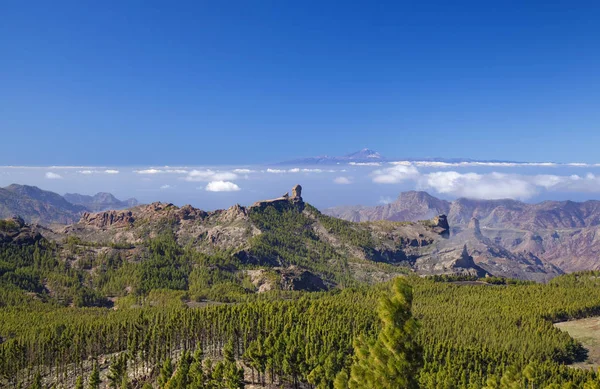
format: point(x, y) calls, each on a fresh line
point(128, 83)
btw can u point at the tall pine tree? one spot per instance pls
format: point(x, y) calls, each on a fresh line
point(394, 358)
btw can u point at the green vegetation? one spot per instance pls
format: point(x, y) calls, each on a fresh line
point(470, 336)
point(57, 328)
point(394, 358)
point(288, 239)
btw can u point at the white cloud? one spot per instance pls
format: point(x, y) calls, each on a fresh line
point(342, 180)
point(210, 175)
point(297, 170)
point(480, 186)
point(486, 186)
point(161, 171)
point(364, 163)
point(107, 171)
point(166, 186)
point(222, 186)
point(440, 164)
point(243, 171)
point(395, 174)
point(53, 176)
point(276, 171)
point(317, 171)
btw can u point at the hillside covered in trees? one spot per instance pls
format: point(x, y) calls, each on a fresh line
point(151, 299)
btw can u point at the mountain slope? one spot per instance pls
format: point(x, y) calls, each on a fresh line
point(286, 234)
point(409, 206)
point(563, 233)
point(283, 235)
point(36, 205)
point(100, 201)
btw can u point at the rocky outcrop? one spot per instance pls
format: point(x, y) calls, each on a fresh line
point(449, 260)
point(297, 192)
point(15, 231)
point(474, 225)
point(441, 226)
point(103, 220)
point(285, 200)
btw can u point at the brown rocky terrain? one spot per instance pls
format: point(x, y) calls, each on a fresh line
point(358, 250)
point(301, 248)
point(556, 234)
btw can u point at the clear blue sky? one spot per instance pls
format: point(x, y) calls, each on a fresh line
point(148, 82)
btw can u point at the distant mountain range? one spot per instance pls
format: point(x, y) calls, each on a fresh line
point(100, 201)
point(35, 205)
point(368, 156)
point(500, 237)
point(562, 235)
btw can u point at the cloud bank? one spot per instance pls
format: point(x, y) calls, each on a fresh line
point(492, 185)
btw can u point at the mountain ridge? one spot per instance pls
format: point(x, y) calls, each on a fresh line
point(565, 233)
point(36, 205)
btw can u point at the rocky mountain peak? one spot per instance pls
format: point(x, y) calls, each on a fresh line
point(365, 153)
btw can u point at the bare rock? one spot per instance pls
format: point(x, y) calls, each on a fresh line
point(441, 226)
point(474, 225)
point(297, 192)
point(107, 219)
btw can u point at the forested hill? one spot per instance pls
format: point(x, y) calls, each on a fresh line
point(282, 244)
point(167, 297)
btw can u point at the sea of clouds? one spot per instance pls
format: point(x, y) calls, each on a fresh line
point(213, 187)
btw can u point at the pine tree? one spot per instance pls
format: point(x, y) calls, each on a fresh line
point(165, 373)
point(79, 383)
point(197, 376)
point(37, 381)
point(181, 378)
point(94, 377)
point(392, 361)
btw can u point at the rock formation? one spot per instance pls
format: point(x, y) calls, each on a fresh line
point(297, 192)
point(15, 231)
point(108, 219)
point(441, 226)
point(474, 225)
point(286, 199)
